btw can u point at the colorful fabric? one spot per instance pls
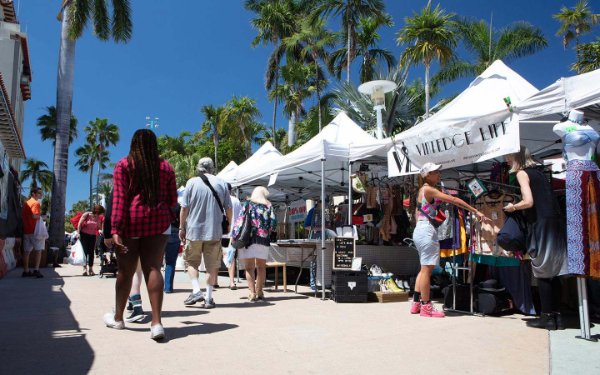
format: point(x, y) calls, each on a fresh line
point(583, 228)
point(132, 218)
point(430, 208)
point(30, 208)
point(263, 220)
point(460, 238)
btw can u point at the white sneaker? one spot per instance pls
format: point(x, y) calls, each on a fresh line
point(109, 320)
point(157, 332)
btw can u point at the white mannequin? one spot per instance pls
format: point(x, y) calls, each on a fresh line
point(573, 128)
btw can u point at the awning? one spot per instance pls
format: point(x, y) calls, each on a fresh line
point(9, 135)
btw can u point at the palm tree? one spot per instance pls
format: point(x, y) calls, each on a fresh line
point(575, 22)
point(47, 124)
point(75, 16)
point(298, 85)
point(517, 40)
point(313, 41)
point(89, 155)
point(242, 112)
point(430, 36)
point(275, 20)
point(589, 57)
point(101, 134)
point(350, 12)
point(38, 172)
point(214, 119)
point(367, 38)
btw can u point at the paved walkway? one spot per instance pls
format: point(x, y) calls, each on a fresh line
point(54, 326)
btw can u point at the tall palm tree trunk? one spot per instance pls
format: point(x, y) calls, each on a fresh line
point(98, 183)
point(349, 45)
point(91, 185)
point(216, 143)
point(64, 97)
point(427, 66)
point(318, 93)
point(292, 129)
point(275, 99)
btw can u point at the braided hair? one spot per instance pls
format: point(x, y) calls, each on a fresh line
point(144, 166)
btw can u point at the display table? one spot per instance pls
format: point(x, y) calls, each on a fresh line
point(400, 260)
point(295, 254)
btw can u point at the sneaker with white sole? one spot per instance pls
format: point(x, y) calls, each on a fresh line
point(136, 315)
point(429, 311)
point(208, 304)
point(193, 298)
point(157, 332)
point(109, 320)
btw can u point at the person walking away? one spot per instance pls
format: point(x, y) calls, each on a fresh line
point(255, 256)
point(425, 236)
point(546, 236)
point(31, 214)
point(89, 225)
point(135, 311)
point(205, 201)
point(144, 193)
point(229, 251)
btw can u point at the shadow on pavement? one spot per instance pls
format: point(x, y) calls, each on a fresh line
point(39, 334)
point(193, 328)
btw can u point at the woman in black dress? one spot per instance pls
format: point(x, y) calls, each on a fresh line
point(546, 237)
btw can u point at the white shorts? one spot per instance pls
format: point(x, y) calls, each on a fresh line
point(32, 243)
point(425, 237)
point(254, 251)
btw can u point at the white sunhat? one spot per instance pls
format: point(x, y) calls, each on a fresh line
point(429, 167)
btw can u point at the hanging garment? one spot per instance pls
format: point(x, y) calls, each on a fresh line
point(457, 244)
point(546, 240)
point(492, 208)
point(583, 210)
point(372, 196)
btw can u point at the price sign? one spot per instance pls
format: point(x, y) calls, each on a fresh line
point(343, 253)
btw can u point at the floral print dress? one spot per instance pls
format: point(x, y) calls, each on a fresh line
point(263, 220)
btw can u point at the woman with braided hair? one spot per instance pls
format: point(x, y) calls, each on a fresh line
point(144, 192)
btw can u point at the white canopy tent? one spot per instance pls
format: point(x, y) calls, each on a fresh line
point(476, 126)
point(228, 170)
point(581, 91)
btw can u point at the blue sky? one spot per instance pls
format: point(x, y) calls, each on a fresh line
point(186, 54)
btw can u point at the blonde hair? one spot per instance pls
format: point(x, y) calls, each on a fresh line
point(521, 160)
point(260, 195)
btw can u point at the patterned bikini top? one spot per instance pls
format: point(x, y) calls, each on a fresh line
point(430, 208)
point(579, 138)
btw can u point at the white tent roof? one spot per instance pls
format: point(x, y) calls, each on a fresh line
point(481, 105)
point(228, 170)
point(261, 160)
point(299, 172)
point(563, 95)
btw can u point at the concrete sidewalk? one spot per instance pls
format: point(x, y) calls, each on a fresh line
point(54, 326)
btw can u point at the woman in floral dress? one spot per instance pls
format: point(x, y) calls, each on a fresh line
point(255, 255)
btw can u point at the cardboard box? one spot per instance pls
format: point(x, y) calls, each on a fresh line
point(382, 297)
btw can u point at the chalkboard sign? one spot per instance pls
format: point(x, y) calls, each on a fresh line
point(343, 253)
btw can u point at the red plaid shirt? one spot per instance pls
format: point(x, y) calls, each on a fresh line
point(130, 217)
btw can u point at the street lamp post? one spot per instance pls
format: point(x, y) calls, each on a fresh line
point(377, 90)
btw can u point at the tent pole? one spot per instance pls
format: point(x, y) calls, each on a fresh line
point(323, 229)
point(584, 318)
point(350, 193)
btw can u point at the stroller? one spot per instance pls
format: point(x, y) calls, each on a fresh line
point(108, 259)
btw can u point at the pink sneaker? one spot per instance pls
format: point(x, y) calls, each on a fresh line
point(427, 310)
point(415, 307)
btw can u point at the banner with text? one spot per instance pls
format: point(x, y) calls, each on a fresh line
point(463, 143)
point(297, 211)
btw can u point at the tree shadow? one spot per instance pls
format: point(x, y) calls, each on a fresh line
point(38, 325)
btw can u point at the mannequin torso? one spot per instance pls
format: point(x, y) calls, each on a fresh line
point(579, 141)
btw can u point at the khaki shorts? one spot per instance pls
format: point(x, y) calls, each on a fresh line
point(32, 243)
point(194, 250)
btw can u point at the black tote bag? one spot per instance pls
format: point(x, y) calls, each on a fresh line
point(243, 237)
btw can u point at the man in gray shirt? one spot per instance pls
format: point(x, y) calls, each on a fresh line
point(201, 229)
